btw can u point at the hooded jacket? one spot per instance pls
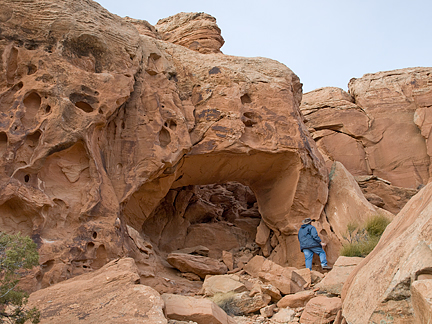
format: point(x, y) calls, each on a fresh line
point(308, 237)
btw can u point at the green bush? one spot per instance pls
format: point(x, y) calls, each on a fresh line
point(361, 240)
point(17, 253)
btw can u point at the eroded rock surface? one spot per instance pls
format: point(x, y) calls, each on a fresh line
point(380, 286)
point(374, 129)
point(99, 122)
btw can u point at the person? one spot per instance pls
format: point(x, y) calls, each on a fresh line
point(310, 243)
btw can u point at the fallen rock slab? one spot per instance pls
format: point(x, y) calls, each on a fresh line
point(321, 310)
point(200, 265)
point(108, 295)
point(199, 310)
point(334, 280)
point(222, 284)
point(284, 279)
point(299, 299)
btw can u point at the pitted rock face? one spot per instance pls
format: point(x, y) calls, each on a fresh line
point(196, 31)
point(98, 123)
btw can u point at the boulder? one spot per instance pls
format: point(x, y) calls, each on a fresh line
point(108, 295)
point(272, 291)
point(268, 311)
point(284, 315)
point(321, 309)
point(200, 265)
point(421, 295)
point(380, 286)
point(244, 303)
point(311, 277)
point(336, 278)
point(196, 31)
point(284, 279)
point(222, 284)
point(299, 299)
point(199, 310)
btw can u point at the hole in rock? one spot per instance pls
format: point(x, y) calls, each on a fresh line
point(11, 65)
point(31, 69)
point(47, 266)
point(84, 106)
point(245, 99)
point(3, 142)
point(47, 109)
point(90, 247)
point(32, 101)
point(164, 137)
point(221, 217)
point(27, 178)
point(94, 235)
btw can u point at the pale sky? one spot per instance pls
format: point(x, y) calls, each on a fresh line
point(325, 42)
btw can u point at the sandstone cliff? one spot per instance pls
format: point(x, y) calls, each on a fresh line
point(100, 120)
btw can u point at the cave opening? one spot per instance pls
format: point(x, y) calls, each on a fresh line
point(220, 217)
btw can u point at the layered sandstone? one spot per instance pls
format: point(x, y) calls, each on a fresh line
point(197, 31)
point(380, 128)
point(98, 123)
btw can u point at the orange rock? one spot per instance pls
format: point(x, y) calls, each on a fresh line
point(321, 309)
point(200, 310)
point(421, 295)
point(299, 299)
point(200, 265)
point(284, 279)
point(379, 287)
point(196, 31)
point(108, 295)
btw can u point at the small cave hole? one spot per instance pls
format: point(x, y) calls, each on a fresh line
point(47, 109)
point(94, 235)
point(90, 247)
point(245, 99)
point(18, 86)
point(164, 137)
point(123, 125)
point(32, 101)
point(31, 69)
point(27, 178)
point(3, 138)
point(84, 106)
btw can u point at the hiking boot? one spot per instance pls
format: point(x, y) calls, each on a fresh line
point(326, 268)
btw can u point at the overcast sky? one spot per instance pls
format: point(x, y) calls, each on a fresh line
point(325, 42)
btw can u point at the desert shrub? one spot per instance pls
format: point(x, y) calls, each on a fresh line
point(361, 240)
point(226, 301)
point(17, 253)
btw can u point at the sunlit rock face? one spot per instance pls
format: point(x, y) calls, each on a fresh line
point(381, 127)
point(98, 123)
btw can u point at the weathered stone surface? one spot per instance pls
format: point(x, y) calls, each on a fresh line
point(198, 250)
point(108, 295)
point(421, 296)
point(98, 123)
point(321, 309)
point(311, 277)
point(284, 279)
point(222, 284)
point(380, 285)
point(394, 198)
point(200, 265)
point(346, 202)
point(374, 129)
point(268, 311)
point(199, 310)
point(284, 315)
point(196, 31)
point(243, 303)
point(336, 278)
point(299, 299)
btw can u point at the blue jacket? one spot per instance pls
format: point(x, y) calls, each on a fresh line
point(308, 237)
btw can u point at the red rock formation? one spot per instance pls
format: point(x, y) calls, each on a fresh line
point(381, 286)
point(98, 123)
point(196, 31)
point(375, 128)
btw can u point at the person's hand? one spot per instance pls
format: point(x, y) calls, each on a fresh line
point(323, 245)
